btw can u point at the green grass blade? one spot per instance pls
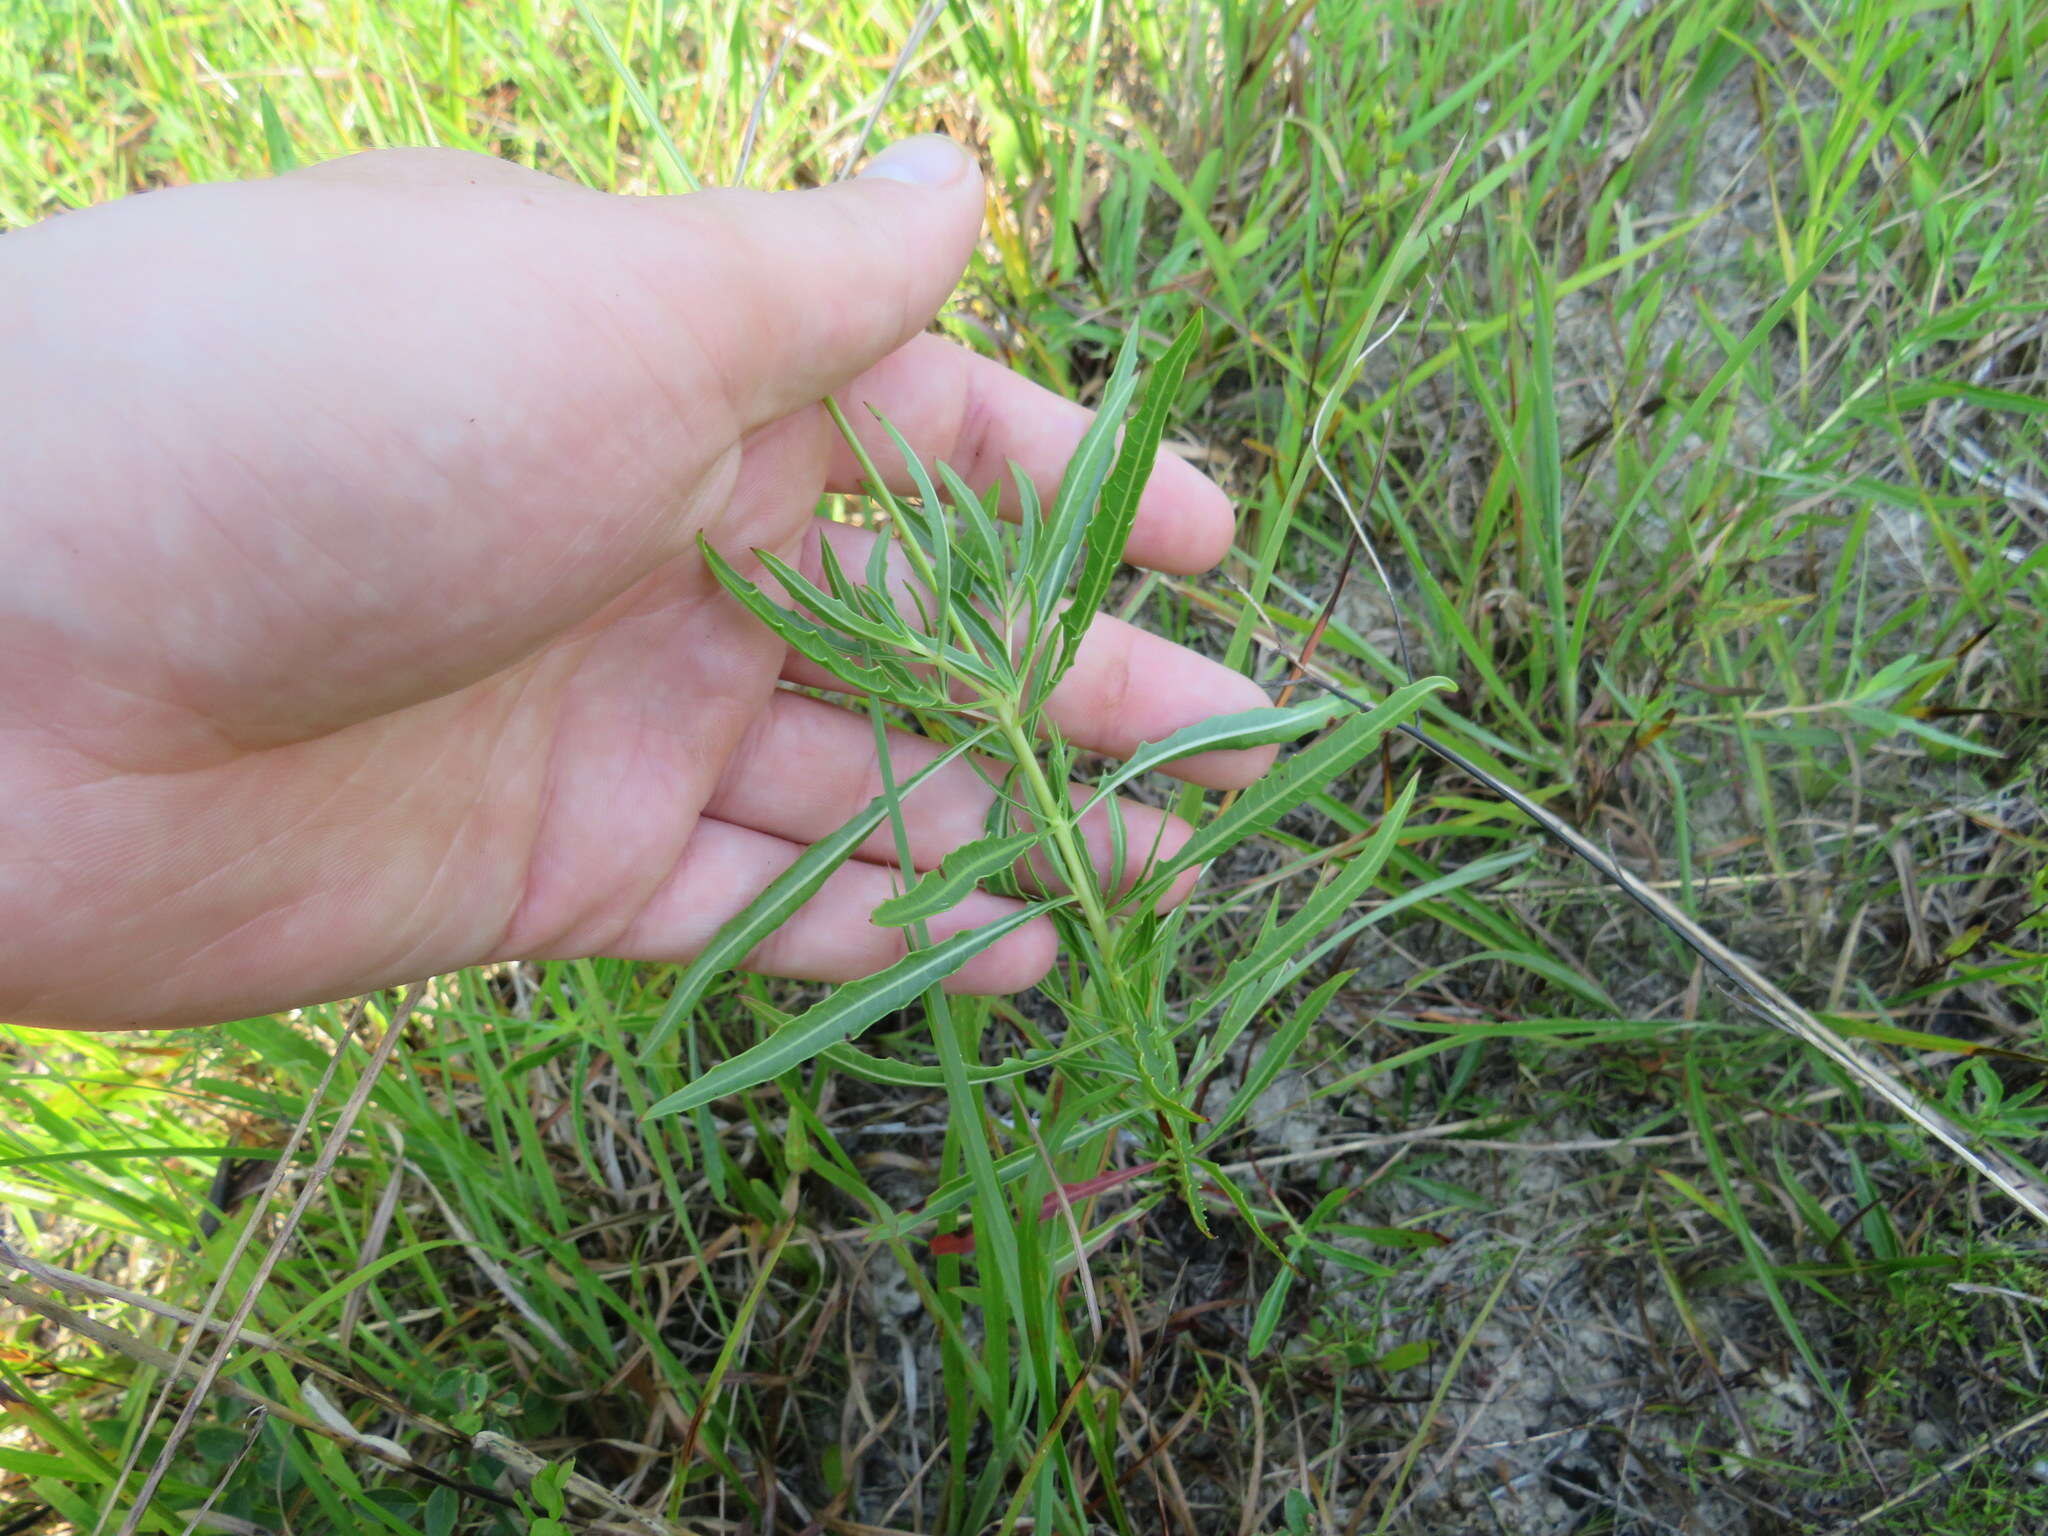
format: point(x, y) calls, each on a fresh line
point(676, 171)
point(1284, 951)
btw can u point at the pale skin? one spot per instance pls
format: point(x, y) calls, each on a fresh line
point(353, 628)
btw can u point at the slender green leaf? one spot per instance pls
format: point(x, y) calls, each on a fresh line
point(1887, 721)
point(977, 515)
point(1236, 1196)
point(276, 142)
point(843, 586)
point(843, 1015)
point(906, 1074)
point(861, 667)
point(1729, 1212)
point(927, 524)
point(1067, 523)
point(1404, 1357)
point(1267, 1318)
point(1299, 776)
point(1182, 1162)
point(956, 1192)
point(1221, 733)
point(887, 629)
point(1544, 455)
point(1117, 508)
point(897, 1073)
point(1030, 524)
point(1279, 1051)
point(1285, 951)
point(788, 891)
point(958, 873)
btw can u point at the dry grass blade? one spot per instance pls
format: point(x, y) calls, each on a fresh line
point(753, 128)
point(316, 1177)
point(373, 1246)
point(1360, 538)
point(500, 1279)
point(87, 1285)
point(174, 1367)
point(1403, 1464)
point(1941, 1474)
point(1771, 1001)
point(1319, 430)
point(1255, 1478)
point(250, 1227)
point(911, 44)
point(203, 1514)
point(180, 1367)
point(524, 1464)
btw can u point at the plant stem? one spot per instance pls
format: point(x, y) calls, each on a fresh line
point(1058, 822)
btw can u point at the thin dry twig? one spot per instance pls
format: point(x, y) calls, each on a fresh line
point(243, 1240)
point(753, 128)
point(524, 1464)
point(372, 1247)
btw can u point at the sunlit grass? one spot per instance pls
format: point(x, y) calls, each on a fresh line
point(1696, 417)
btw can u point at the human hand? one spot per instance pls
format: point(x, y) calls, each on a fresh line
point(354, 624)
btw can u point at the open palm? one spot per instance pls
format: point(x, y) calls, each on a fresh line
point(354, 628)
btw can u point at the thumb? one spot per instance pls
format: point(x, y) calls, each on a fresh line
point(794, 294)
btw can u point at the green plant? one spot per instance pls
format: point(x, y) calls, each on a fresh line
point(992, 619)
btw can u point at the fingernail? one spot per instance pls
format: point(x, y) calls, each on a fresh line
point(929, 160)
